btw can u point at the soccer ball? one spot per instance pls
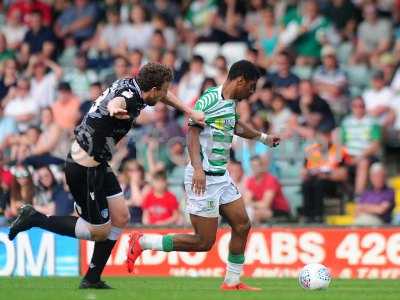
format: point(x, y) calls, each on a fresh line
point(314, 277)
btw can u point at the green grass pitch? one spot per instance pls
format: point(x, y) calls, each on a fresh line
point(140, 288)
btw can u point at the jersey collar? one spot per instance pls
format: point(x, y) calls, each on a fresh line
point(137, 88)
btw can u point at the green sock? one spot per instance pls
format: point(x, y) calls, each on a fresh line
point(236, 258)
point(168, 243)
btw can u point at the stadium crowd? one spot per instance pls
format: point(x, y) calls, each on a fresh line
point(330, 88)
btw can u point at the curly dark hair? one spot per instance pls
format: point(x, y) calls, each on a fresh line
point(153, 75)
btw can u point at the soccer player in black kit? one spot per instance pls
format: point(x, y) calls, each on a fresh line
point(99, 202)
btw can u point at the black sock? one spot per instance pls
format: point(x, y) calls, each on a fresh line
point(101, 253)
point(64, 225)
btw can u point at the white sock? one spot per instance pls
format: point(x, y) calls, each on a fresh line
point(233, 272)
point(151, 242)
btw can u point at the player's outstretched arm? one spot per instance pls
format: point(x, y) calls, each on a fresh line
point(172, 100)
point(199, 177)
point(245, 131)
point(117, 108)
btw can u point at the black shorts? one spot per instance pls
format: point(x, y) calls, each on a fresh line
point(91, 187)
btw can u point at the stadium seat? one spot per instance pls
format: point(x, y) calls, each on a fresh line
point(234, 51)
point(209, 51)
point(340, 220)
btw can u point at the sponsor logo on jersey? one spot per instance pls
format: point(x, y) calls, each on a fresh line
point(104, 213)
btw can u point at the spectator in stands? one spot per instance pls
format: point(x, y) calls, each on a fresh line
point(110, 35)
point(221, 67)
point(6, 180)
point(5, 51)
point(66, 107)
point(8, 127)
point(135, 61)
point(20, 105)
point(22, 190)
point(139, 27)
point(14, 30)
point(8, 77)
point(43, 83)
point(95, 92)
point(330, 81)
point(78, 20)
point(378, 100)
point(120, 70)
point(374, 35)
point(80, 77)
point(283, 80)
point(52, 145)
point(344, 14)
point(160, 24)
point(166, 9)
point(37, 35)
point(51, 197)
point(268, 34)
point(313, 112)
point(308, 32)
point(177, 65)
point(189, 86)
point(160, 206)
point(375, 205)
point(26, 7)
point(280, 118)
point(135, 189)
point(361, 135)
point(324, 172)
point(264, 196)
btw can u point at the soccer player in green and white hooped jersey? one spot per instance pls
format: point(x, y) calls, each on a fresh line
point(208, 185)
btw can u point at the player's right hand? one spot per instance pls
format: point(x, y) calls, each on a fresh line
point(199, 182)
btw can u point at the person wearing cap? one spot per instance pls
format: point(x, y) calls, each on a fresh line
point(378, 100)
point(330, 81)
point(66, 108)
point(324, 171)
point(375, 205)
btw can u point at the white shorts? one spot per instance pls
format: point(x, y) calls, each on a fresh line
point(219, 190)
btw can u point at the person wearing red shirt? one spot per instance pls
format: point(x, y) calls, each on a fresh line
point(26, 7)
point(264, 195)
point(160, 206)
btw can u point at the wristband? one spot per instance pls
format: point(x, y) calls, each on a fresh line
point(263, 138)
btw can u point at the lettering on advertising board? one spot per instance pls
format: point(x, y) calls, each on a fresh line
point(38, 253)
point(273, 252)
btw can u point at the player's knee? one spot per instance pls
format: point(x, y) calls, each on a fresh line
point(100, 233)
point(243, 227)
point(122, 219)
point(206, 244)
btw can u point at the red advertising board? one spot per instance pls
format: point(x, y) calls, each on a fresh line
point(272, 252)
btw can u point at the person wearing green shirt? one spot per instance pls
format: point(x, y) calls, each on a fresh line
point(208, 185)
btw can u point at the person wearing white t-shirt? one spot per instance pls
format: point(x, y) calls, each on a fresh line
point(14, 30)
point(378, 100)
point(43, 85)
point(21, 106)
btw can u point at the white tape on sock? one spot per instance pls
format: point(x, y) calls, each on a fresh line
point(82, 229)
point(115, 232)
point(151, 242)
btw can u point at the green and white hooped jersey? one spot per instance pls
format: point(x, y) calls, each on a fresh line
point(216, 137)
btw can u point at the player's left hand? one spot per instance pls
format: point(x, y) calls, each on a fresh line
point(118, 113)
point(197, 117)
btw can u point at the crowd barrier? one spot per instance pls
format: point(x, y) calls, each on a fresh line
point(270, 252)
